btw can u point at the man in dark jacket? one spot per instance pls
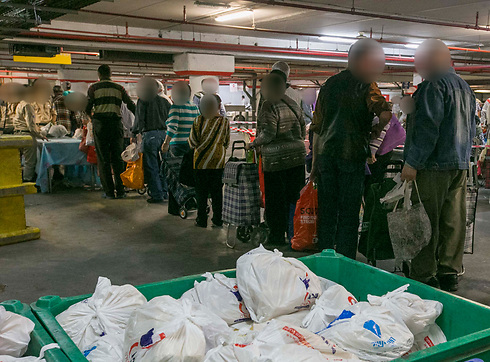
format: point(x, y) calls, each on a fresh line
point(104, 99)
point(151, 115)
point(345, 109)
point(437, 156)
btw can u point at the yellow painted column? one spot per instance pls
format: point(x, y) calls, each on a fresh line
point(13, 227)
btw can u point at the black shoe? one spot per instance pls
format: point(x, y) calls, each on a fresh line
point(121, 196)
point(154, 201)
point(449, 282)
point(200, 225)
point(433, 282)
point(108, 196)
point(217, 224)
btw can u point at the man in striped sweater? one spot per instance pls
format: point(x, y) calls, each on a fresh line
point(105, 99)
point(179, 125)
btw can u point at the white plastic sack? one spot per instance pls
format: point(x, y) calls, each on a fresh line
point(372, 333)
point(78, 133)
point(131, 153)
point(221, 296)
point(89, 139)
point(15, 333)
point(417, 313)
point(328, 307)
point(107, 348)
point(165, 329)
point(396, 193)
point(57, 131)
point(106, 312)
point(30, 358)
point(431, 338)
point(272, 285)
point(325, 283)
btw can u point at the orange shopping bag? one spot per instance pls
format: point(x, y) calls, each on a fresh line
point(134, 177)
point(305, 220)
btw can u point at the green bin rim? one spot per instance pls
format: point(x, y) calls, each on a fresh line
point(39, 336)
point(458, 349)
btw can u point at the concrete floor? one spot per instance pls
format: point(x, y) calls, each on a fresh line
point(130, 241)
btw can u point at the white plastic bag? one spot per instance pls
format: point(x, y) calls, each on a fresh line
point(106, 312)
point(396, 193)
point(89, 138)
point(107, 348)
point(272, 285)
point(372, 333)
point(328, 307)
point(131, 153)
point(431, 338)
point(78, 133)
point(417, 313)
point(30, 358)
point(15, 333)
point(166, 329)
point(221, 296)
point(57, 131)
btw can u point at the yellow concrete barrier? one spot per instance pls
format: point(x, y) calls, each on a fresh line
point(13, 227)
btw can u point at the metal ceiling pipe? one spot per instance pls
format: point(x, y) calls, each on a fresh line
point(353, 11)
point(131, 39)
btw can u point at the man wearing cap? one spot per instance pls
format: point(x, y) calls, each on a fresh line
point(342, 123)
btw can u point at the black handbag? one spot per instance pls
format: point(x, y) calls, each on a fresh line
point(186, 174)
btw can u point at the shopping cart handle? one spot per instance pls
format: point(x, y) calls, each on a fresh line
point(235, 147)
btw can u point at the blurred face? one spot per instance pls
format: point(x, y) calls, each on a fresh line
point(431, 58)
point(309, 96)
point(273, 88)
point(209, 106)
point(147, 89)
point(210, 85)
point(76, 101)
point(41, 90)
point(180, 93)
point(369, 67)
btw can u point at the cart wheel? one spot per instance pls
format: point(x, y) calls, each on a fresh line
point(230, 238)
point(244, 233)
point(142, 191)
point(183, 213)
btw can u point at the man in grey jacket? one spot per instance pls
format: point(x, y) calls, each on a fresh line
point(437, 156)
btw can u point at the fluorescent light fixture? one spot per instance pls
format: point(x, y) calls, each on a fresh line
point(235, 16)
point(208, 4)
point(336, 39)
point(411, 46)
point(482, 90)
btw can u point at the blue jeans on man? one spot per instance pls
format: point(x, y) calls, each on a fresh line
point(340, 189)
point(152, 144)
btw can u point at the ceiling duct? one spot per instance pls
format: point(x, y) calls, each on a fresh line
point(34, 50)
point(126, 56)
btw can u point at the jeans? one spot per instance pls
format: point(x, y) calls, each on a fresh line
point(176, 150)
point(109, 144)
point(209, 182)
point(443, 194)
point(340, 189)
point(30, 160)
point(152, 144)
point(282, 189)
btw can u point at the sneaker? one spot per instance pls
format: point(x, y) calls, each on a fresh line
point(108, 196)
point(448, 282)
point(154, 201)
point(121, 196)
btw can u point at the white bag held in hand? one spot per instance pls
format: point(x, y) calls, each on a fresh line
point(396, 193)
point(417, 313)
point(371, 333)
point(272, 285)
point(166, 329)
point(410, 228)
point(30, 358)
point(107, 348)
point(221, 296)
point(57, 131)
point(106, 312)
point(328, 307)
point(131, 153)
point(15, 333)
point(89, 139)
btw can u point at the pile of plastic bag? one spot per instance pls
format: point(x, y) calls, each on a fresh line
point(276, 309)
point(15, 335)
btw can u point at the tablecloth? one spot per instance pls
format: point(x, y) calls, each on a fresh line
point(58, 151)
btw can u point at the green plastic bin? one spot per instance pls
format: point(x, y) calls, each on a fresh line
point(465, 323)
point(39, 336)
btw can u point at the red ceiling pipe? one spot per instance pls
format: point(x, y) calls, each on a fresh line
point(355, 12)
point(198, 45)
